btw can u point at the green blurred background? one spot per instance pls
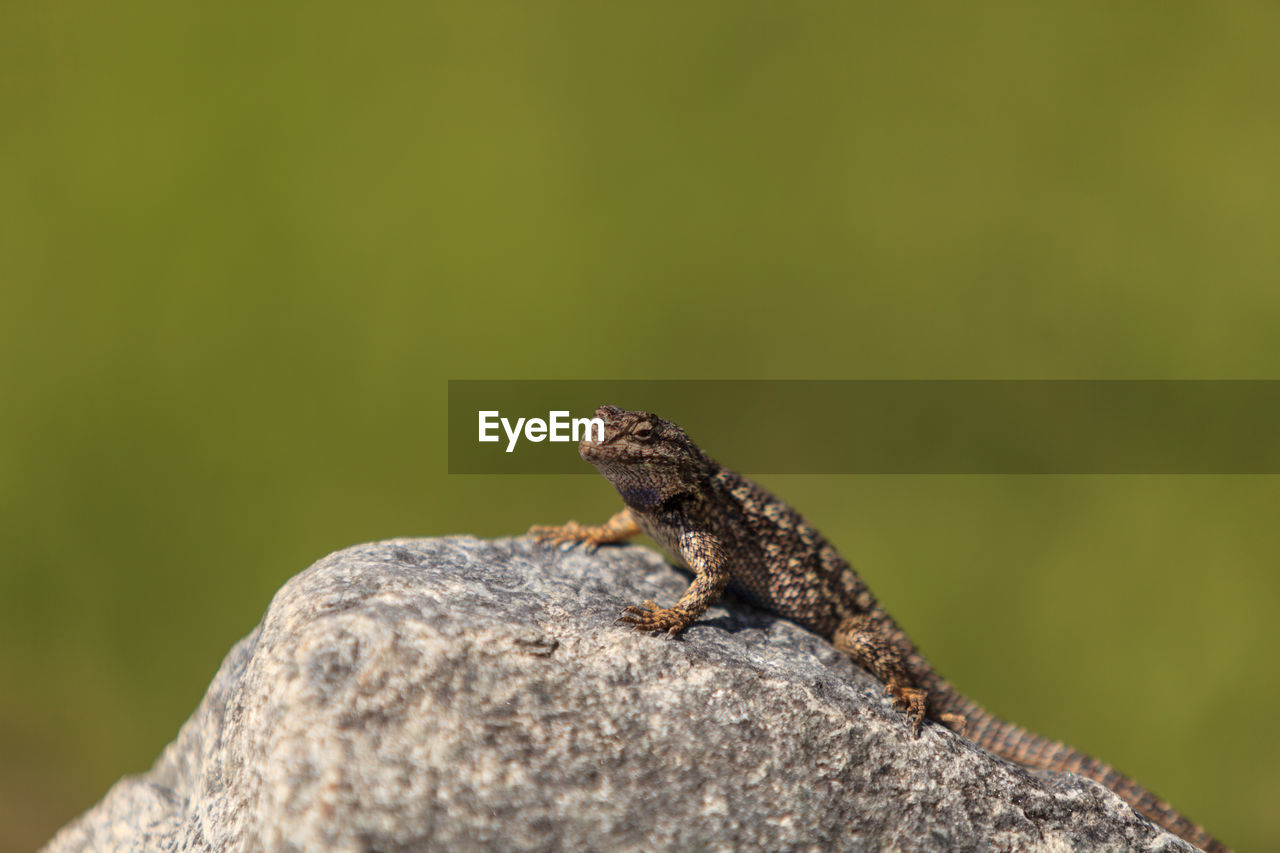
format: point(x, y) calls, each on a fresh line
point(243, 247)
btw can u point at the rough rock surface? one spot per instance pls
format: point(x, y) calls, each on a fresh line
point(464, 694)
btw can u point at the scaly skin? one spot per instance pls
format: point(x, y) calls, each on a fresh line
point(733, 534)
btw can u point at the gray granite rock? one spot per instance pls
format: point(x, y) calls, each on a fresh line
point(460, 694)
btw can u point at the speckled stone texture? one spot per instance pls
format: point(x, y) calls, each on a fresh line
point(462, 694)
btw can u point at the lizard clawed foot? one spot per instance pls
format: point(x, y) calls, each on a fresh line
point(651, 617)
point(566, 535)
point(912, 700)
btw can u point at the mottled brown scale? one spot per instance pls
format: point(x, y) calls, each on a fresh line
point(733, 534)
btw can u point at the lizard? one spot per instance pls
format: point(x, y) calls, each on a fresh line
point(733, 534)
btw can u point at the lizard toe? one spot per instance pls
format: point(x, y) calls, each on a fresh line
point(657, 619)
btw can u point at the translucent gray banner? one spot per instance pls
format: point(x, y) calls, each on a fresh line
point(890, 426)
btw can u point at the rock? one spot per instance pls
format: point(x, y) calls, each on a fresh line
point(461, 694)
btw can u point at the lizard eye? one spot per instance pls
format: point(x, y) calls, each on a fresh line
point(644, 431)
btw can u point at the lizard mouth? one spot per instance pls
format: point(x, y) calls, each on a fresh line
point(589, 448)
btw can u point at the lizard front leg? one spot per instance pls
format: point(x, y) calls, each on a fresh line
point(704, 556)
point(872, 645)
point(620, 528)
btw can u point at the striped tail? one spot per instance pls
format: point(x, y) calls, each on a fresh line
point(1030, 750)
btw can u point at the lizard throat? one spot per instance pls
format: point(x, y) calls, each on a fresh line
point(641, 497)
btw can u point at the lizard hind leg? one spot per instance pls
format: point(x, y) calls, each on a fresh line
point(873, 646)
point(958, 723)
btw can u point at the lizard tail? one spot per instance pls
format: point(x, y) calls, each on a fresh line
point(1015, 743)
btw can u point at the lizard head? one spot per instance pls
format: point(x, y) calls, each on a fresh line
point(647, 459)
